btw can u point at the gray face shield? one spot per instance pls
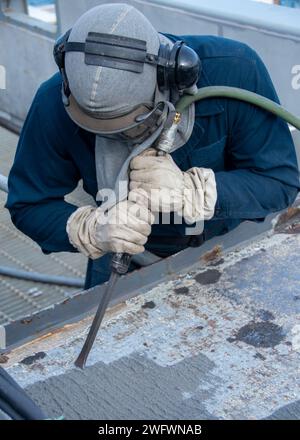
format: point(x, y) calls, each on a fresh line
point(124, 108)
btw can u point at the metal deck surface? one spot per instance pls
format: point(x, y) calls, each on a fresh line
point(19, 298)
point(222, 341)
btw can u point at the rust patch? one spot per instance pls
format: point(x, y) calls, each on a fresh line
point(123, 335)
point(294, 228)
point(3, 359)
point(289, 221)
point(291, 212)
point(26, 321)
point(212, 255)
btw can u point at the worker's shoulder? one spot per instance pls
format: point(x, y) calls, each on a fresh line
point(49, 92)
point(228, 62)
point(208, 46)
point(216, 49)
point(51, 86)
point(49, 104)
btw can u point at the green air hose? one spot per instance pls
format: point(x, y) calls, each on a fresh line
point(120, 262)
point(242, 95)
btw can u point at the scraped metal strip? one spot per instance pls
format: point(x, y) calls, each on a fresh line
point(133, 284)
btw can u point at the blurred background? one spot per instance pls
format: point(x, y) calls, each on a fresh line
point(45, 9)
point(28, 29)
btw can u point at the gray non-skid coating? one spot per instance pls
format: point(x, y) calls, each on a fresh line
point(220, 340)
point(14, 402)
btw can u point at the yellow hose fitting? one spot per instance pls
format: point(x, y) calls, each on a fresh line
point(177, 118)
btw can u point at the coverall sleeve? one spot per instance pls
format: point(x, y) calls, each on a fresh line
point(262, 172)
point(42, 174)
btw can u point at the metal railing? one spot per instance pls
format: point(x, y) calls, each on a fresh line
point(34, 276)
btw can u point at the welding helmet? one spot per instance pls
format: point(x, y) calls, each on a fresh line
point(120, 75)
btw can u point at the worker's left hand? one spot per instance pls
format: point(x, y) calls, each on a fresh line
point(158, 181)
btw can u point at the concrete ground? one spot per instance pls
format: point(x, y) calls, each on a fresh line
point(221, 341)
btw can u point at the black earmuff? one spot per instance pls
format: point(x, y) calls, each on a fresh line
point(178, 68)
point(59, 53)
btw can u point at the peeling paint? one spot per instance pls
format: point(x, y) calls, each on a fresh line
point(32, 359)
point(3, 359)
point(208, 277)
point(289, 221)
point(149, 305)
point(182, 291)
point(265, 315)
point(213, 256)
point(260, 334)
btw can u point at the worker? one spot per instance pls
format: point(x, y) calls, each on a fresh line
point(98, 119)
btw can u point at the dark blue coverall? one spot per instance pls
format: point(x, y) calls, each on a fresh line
point(250, 151)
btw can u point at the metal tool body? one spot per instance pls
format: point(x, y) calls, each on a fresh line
point(120, 262)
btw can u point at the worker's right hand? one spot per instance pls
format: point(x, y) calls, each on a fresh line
point(124, 228)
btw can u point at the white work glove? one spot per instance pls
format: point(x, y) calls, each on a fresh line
point(124, 228)
point(158, 181)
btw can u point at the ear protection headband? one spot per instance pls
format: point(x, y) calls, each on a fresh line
point(178, 68)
